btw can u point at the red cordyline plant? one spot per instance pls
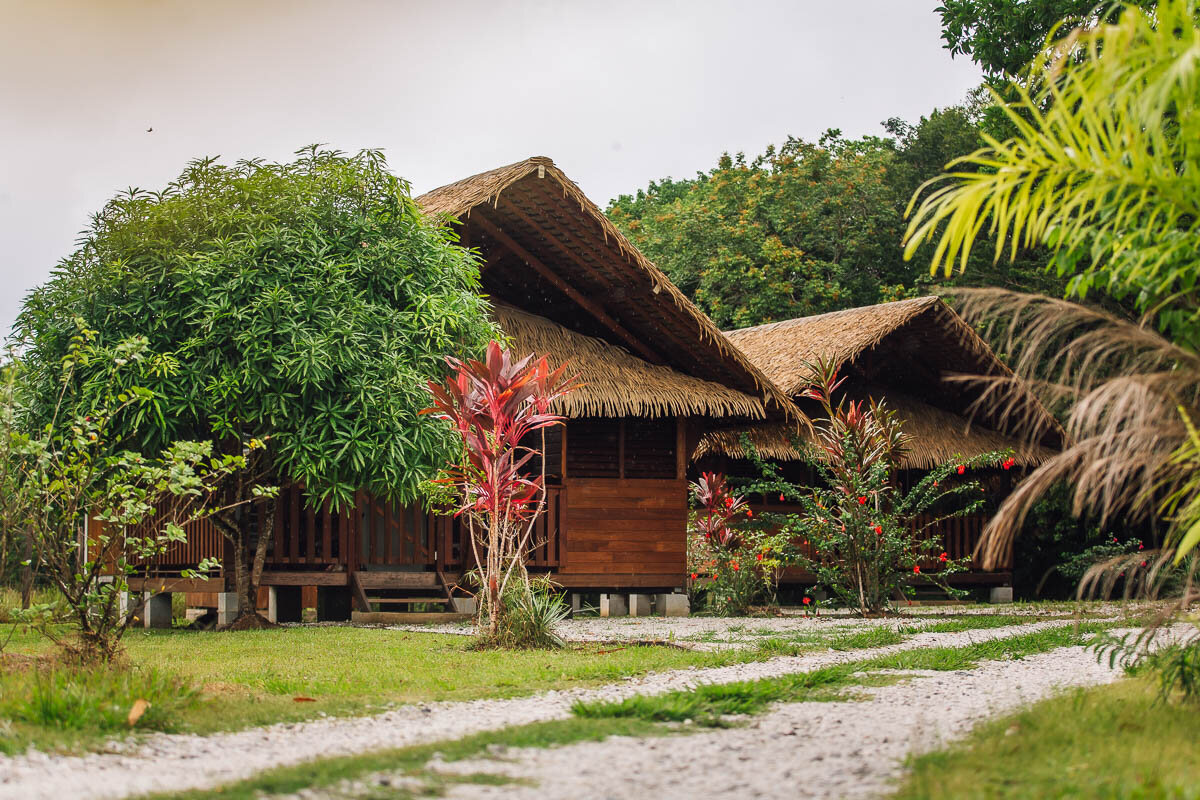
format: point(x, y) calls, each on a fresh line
point(738, 576)
point(494, 405)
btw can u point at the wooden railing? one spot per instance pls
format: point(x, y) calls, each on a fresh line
point(374, 533)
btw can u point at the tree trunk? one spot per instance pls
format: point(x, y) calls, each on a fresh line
point(27, 572)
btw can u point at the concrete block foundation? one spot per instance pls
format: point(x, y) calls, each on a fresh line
point(227, 608)
point(639, 605)
point(613, 605)
point(1001, 594)
point(673, 605)
point(157, 611)
point(284, 604)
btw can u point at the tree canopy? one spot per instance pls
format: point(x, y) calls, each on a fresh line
point(303, 303)
point(1004, 36)
point(810, 227)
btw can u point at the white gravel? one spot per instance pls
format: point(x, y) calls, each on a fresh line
point(714, 633)
point(811, 750)
point(176, 762)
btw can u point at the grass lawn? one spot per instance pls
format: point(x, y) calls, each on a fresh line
point(1116, 741)
point(253, 677)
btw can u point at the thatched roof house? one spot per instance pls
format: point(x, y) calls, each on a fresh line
point(645, 349)
point(901, 352)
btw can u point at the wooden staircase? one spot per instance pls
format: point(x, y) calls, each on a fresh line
point(376, 592)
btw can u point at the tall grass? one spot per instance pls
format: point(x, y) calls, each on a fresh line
point(92, 700)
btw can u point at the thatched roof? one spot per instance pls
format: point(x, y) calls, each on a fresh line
point(616, 383)
point(551, 251)
point(935, 437)
point(909, 347)
point(781, 349)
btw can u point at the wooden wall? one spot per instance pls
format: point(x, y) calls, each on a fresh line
point(630, 527)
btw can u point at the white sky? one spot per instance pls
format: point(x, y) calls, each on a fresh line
point(617, 93)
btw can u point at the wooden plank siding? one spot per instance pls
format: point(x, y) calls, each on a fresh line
point(621, 527)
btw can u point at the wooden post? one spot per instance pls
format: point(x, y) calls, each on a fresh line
point(621, 448)
point(681, 455)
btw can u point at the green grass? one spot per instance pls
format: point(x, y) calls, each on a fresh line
point(878, 636)
point(1114, 741)
point(411, 761)
point(980, 621)
point(708, 703)
point(252, 677)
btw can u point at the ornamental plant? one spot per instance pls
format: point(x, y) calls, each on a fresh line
point(723, 549)
point(495, 406)
point(858, 531)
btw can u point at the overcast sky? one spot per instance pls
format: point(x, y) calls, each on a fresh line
point(617, 93)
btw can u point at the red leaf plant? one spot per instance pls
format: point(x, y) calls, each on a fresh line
point(493, 405)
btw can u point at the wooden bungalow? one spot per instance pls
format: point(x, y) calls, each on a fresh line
point(903, 353)
point(657, 375)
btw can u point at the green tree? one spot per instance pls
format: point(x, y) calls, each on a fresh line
point(69, 471)
point(798, 230)
point(303, 305)
point(1103, 171)
point(1004, 36)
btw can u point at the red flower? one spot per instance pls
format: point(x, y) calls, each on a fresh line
point(760, 556)
point(879, 530)
point(962, 468)
point(1009, 462)
point(781, 497)
point(728, 502)
point(943, 557)
point(1141, 546)
point(806, 600)
point(734, 566)
point(935, 484)
point(916, 569)
point(1143, 563)
point(694, 576)
point(862, 500)
point(749, 513)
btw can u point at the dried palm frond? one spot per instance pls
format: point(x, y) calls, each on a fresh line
point(1120, 387)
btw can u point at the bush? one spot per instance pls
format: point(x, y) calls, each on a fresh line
point(857, 532)
point(732, 556)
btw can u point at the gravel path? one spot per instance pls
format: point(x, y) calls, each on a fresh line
point(715, 633)
point(176, 762)
point(812, 750)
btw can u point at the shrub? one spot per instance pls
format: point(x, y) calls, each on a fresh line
point(529, 613)
point(728, 553)
point(857, 533)
point(495, 407)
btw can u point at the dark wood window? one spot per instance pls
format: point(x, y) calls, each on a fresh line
point(592, 448)
point(650, 448)
point(553, 441)
point(621, 448)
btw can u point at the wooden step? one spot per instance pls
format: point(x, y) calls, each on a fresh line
point(418, 618)
point(396, 600)
point(397, 580)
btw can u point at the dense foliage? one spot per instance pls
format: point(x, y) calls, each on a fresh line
point(301, 304)
point(809, 227)
point(1004, 36)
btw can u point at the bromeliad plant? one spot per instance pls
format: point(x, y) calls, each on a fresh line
point(495, 406)
point(858, 533)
